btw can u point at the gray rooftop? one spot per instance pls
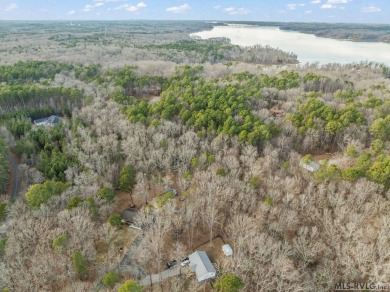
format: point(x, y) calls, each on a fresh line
point(49, 121)
point(200, 263)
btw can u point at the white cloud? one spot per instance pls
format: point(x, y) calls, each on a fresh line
point(236, 11)
point(71, 12)
point(179, 9)
point(308, 11)
point(371, 9)
point(327, 6)
point(88, 8)
point(294, 6)
point(333, 4)
point(10, 7)
point(131, 8)
point(339, 1)
point(291, 6)
point(217, 7)
point(315, 1)
point(99, 4)
point(108, 1)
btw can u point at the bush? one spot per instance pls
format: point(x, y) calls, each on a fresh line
point(39, 194)
point(2, 246)
point(229, 283)
point(328, 173)
point(127, 178)
point(307, 159)
point(194, 162)
point(110, 279)
point(115, 220)
point(163, 198)
point(254, 182)
point(80, 265)
point(268, 201)
point(60, 243)
point(74, 202)
point(93, 208)
point(352, 151)
point(3, 209)
point(221, 172)
point(130, 286)
point(107, 194)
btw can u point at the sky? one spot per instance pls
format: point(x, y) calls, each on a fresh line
point(355, 11)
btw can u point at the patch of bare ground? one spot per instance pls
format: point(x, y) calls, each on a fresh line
point(214, 249)
point(124, 239)
point(123, 200)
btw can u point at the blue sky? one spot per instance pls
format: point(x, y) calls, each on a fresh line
point(363, 11)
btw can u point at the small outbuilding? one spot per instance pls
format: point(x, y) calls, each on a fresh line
point(227, 250)
point(310, 165)
point(49, 121)
point(202, 266)
point(128, 215)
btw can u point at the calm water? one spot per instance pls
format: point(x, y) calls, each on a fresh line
point(309, 48)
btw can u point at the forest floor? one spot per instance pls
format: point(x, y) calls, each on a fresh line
point(213, 249)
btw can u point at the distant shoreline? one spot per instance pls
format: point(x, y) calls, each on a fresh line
point(309, 47)
point(337, 31)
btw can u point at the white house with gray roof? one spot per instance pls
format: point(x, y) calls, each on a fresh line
point(202, 266)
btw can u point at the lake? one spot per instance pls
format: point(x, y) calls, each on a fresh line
point(309, 48)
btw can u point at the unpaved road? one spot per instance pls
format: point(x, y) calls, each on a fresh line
point(15, 177)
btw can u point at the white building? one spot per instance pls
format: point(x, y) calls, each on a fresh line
point(202, 266)
point(227, 250)
point(310, 166)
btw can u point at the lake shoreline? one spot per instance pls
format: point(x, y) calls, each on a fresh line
point(310, 49)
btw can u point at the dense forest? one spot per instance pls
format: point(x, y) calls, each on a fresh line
point(204, 148)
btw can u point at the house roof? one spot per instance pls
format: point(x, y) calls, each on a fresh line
point(49, 121)
point(200, 263)
point(129, 214)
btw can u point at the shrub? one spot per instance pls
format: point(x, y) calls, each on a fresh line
point(163, 198)
point(110, 279)
point(254, 182)
point(3, 208)
point(74, 202)
point(130, 286)
point(127, 178)
point(229, 283)
point(93, 208)
point(115, 220)
point(80, 265)
point(268, 201)
point(2, 246)
point(194, 162)
point(307, 158)
point(39, 194)
point(107, 194)
point(352, 151)
point(60, 243)
point(221, 172)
